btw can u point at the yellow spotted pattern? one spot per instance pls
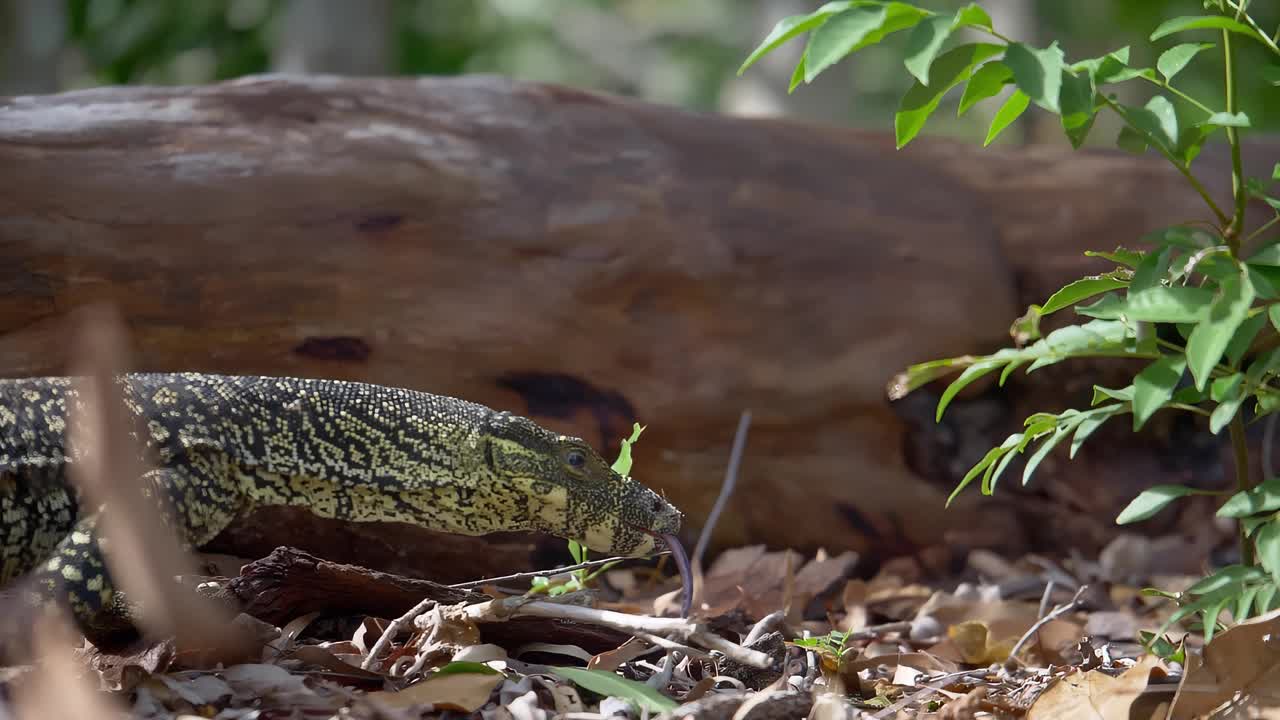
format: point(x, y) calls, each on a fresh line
point(352, 451)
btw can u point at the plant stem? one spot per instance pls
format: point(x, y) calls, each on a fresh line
point(1265, 227)
point(1232, 231)
point(1240, 451)
point(1222, 217)
point(1272, 44)
point(1164, 85)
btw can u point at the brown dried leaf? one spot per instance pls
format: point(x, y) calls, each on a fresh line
point(626, 652)
point(761, 582)
point(1244, 658)
point(1095, 695)
point(462, 691)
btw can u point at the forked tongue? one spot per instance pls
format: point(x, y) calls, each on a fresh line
point(686, 572)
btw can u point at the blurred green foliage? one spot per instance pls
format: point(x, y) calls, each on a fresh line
point(670, 51)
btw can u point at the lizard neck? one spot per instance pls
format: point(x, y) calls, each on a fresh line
point(471, 503)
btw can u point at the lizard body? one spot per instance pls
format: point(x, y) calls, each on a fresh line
point(218, 446)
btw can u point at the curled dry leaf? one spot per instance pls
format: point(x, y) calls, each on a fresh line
point(626, 652)
point(1242, 662)
point(462, 691)
point(1095, 695)
point(760, 582)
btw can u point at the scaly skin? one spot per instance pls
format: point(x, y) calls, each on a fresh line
point(221, 445)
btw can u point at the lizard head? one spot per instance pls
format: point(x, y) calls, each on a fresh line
point(571, 492)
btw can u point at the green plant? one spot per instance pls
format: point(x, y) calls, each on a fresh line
point(580, 579)
point(1201, 300)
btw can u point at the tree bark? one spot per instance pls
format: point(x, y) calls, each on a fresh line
point(588, 260)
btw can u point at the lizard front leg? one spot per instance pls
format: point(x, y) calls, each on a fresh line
point(75, 577)
point(193, 503)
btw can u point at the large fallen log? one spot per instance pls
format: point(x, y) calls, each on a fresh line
point(586, 259)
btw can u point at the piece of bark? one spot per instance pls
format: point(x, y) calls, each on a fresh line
point(290, 583)
point(396, 548)
point(585, 259)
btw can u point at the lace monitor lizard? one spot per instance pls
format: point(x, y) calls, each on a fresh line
point(219, 445)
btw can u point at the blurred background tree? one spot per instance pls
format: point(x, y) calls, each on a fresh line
point(670, 51)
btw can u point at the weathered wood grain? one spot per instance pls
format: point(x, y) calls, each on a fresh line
point(586, 259)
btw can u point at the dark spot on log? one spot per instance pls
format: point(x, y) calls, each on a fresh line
point(378, 223)
point(351, 349)
point(857, 520)
point(560, 396)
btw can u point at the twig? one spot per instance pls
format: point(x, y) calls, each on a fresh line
point(1044, 599)
point(766, 624)
point(543, 573)
point(726, 489)
point(392, 630)
point(875, 631)
point(677, 629)
point(1056, 613)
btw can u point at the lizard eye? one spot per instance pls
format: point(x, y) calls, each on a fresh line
point(575, 458)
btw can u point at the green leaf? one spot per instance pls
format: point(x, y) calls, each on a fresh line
point(614, 685)
point(947, 71)
point(1076, 101)
point(1038, 73)
point(972, 15)
point(986, 82)
point(1151, 501)
point(1275, 172)
point(925, 42)
point(1164, 304)
point(1120, 256)
point(1092, 337)
point(994, 471)
point(463, 666)
point(1161, 647)
point(1266, 281)
point(1245, 603)
point(797, 76)
point(969, 376)
point(622, 465)
point(1209, 615)
point(1191, 141)
point(1047, 447)
point(1224, 578)
point(1179, 236)
point(1151, 271)
point(1243, 338)
point(1131, 140)
point(1173, 60)
point(1224, 388)
point(838, 36)
point(1265, 600)
point(1076, 291)
point(1102, 394)
point(1013, 107)
point(1100, 68)
point(1273, 312)
point(1201, 604)
point(1264, 497)
point(1226, 119)
point(1153, 387)
point(790, 27)
point(1267, 541)
point(1201, 22)
point(1166, 117)
point(1091, 422)
point(1227, 392)
point(1209, 340)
